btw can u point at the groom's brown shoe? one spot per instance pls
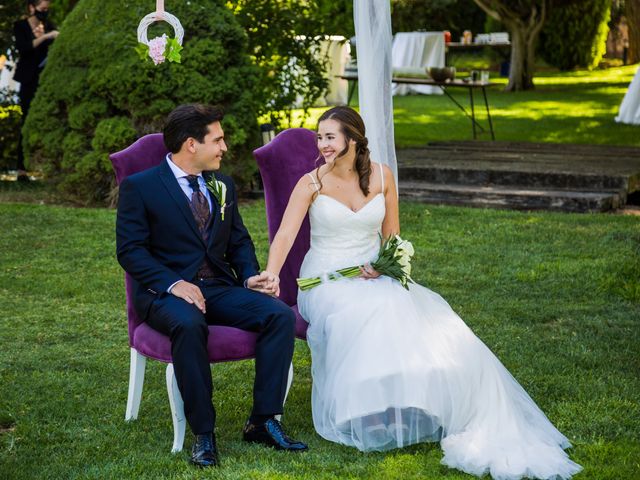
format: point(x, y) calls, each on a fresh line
point(204, 452)
point(270, 433)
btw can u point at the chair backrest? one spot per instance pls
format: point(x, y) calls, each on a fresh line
point(144, 153)
point(282, 162)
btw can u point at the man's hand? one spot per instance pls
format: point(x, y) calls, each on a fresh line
point(265, 282)
point(190, 293)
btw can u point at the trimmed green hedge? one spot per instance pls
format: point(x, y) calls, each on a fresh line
point(575, 33)
point(96, 96)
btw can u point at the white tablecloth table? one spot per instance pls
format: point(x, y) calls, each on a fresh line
point(7, 84)
point(336, 50)
point(417, 50)
point(630, 106)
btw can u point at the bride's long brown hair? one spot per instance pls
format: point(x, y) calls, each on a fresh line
point(352, 127)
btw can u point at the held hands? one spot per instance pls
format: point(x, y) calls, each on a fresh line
point(190, 293)
point(368, 272)
point(265, 282)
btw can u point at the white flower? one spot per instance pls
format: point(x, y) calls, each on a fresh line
point(405, 246)
point(219, 190)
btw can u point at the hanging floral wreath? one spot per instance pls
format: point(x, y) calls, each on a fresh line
point(162, 48)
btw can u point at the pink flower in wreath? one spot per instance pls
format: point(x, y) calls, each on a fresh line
point(156, 49)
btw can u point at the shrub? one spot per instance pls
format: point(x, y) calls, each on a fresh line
point(575, 33)
point(96, 95)
point(10, 117)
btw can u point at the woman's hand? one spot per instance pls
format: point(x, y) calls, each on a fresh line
point(368, 272)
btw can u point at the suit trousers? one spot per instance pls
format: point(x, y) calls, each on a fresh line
point(232, 306)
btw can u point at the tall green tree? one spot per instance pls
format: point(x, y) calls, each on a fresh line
point(575, 33)
point(283, 36)
point(453, 15)
point(632, 12)
point(524, 19)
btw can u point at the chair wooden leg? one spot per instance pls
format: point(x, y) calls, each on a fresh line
point(136, 381)
point(177, 410)
point(289, 382)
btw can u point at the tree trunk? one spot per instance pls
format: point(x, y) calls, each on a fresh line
point(524, 27)
point(523, 47)
point(632, 12)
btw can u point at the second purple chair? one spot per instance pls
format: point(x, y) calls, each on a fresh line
point(282, 162)
point(279, 169)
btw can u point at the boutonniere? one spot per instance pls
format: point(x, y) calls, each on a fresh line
point(219, 190)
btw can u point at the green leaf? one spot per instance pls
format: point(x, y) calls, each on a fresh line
point(172, 50)
point(143, 51)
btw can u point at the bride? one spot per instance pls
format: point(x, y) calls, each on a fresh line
point(393, 367)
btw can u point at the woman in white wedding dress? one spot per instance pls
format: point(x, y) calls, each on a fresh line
point(393, 367)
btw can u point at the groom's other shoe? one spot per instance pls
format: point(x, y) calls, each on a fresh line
point(204, 452)
point(270, 433)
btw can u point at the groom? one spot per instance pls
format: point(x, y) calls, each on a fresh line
point(194, 265)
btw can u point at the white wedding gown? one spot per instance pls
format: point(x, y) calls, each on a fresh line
point(393, 367)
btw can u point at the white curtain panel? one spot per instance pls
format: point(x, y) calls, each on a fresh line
point(373, 45)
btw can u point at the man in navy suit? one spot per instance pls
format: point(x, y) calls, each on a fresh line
point(194, 265)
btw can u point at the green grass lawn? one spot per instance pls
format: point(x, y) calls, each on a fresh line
point(555, 296)
point(569, 107)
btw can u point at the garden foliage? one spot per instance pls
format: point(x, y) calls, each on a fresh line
point(10, 116)
point(96, 96)
point(575, 33)
point(453, 15)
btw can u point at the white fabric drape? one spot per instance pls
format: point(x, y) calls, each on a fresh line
point(417, 50)
point(630, 106)
point(372, 20)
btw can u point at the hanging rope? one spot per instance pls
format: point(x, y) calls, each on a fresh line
point(159, 10)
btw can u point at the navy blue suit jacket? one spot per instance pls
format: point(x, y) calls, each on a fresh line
point(158, 242)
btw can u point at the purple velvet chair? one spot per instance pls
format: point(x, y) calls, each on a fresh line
point(224, 344)
point(282, 162)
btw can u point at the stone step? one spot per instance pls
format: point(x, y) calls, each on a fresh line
point(584, 150)
point(511, 177)
point(513, 197)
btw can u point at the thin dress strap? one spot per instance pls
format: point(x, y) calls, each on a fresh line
point(381, 177)
point(313, 181)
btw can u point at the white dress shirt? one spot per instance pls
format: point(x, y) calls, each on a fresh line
point(181, 176)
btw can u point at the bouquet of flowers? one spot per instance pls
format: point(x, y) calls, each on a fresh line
point(394, 260)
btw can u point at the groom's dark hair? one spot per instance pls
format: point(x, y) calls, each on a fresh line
point(189, 120)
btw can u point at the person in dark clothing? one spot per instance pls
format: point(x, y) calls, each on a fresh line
point(34, 34)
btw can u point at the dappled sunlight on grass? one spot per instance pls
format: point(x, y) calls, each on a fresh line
point(549, 109)
point(611, 75)
point(572, 107)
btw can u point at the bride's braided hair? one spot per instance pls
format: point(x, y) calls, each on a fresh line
point(352, 127)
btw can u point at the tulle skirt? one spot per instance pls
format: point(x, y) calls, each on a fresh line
point(393, 367)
